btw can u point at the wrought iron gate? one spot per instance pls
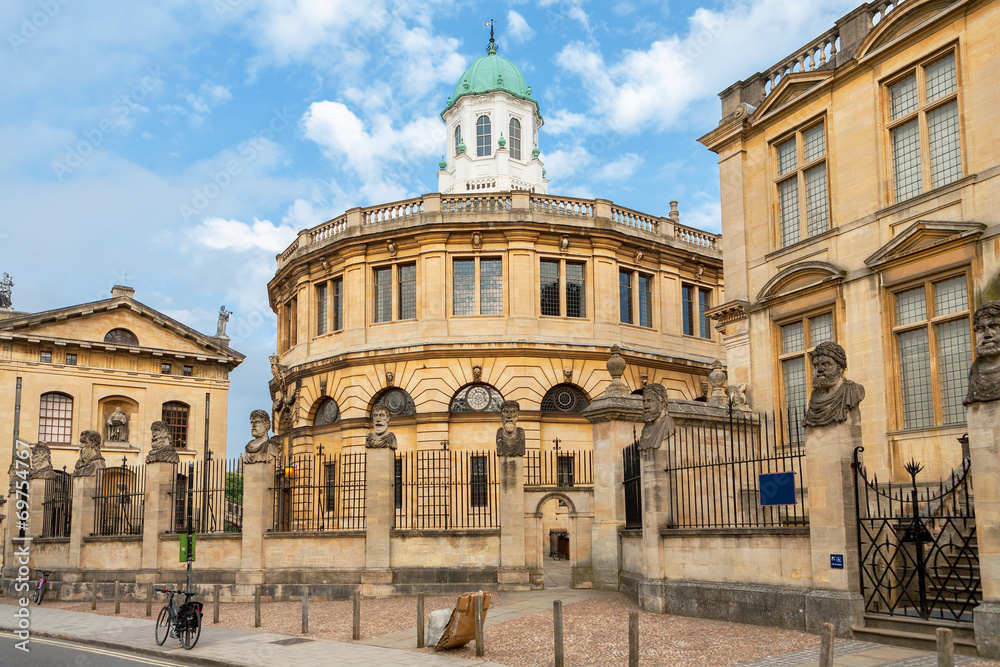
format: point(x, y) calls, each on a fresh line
point(917, 545)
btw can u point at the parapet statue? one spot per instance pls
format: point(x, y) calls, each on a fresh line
point(223, 320)
point(658, 424)
point(90, 460)
point(510, 436)
point(117, 427)
point(41, 462)
point(261, 449)
point(162, 448)
point(6, 290)
point(832, 397)
point(381, 436)
point(984, 375)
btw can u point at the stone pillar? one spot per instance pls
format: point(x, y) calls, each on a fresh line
point(984, 452)
point(258, 517)
point(160, 476)
point(513, 573)
point(614, 416)
point(36, 496)
point(832, 526)
point(84, 507)
point(380, 511)
point(656, 490)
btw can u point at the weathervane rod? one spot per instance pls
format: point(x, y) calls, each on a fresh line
point(491, 47)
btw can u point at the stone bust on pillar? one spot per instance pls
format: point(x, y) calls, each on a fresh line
point(510, 436)
point(832, 397)
point(261, 449)
point(984, 375)
point(658, 425)
point(380, 437)
point(162, 449)
point(90, 460)
point(41, 462)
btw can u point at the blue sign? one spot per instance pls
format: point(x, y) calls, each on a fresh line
point(837, 561)
point(777, 488)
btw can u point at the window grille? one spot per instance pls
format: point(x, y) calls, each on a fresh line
point(121, 337)
point(407, 291)
point(176, 416)
point(803, 202)
point(338, 304)
point(515, 139)
point(321, 309)
point(484, 143)
point(625, 296)
point(55, 419)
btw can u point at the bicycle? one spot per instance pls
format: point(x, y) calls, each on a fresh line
point(40, 588)
point(184, 622)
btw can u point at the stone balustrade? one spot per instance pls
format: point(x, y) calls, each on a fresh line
point(812, 57)
point(401, 209)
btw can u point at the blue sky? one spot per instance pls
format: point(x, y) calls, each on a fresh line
point(177, 145)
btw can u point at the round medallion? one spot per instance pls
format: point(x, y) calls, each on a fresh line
point(564, 399)
point(330, 412)
point(395, 401)
point(478, 398)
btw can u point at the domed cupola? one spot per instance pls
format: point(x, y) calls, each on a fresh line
point(493, 112)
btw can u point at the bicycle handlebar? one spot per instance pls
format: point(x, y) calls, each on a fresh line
point(174, 592)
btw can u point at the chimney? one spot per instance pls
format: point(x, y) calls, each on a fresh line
point(121, 290)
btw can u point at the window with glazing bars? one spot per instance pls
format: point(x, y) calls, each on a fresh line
point(515, 139)
point(933, 335)
point(645, 300)
point(176, 416)
point(458, 138)
point(397, 487)
point(635, 295)
point(321, 309)
point(407, 291)
point(479, 478)
point(796, 340)
point(484, 142)
point(55, 419)
point(338, 304)
point(923, 116)
point(490, 280)
point(625, 296)
point(564, 470)
point(803, 201)
point(552, 272)
point(695, 302)
point(330, 470)
point(383, 294)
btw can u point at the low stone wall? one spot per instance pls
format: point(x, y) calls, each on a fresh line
point(213, 551)
point(739, 556)
point(476, 549)
point(112, 553)
point(293, 551)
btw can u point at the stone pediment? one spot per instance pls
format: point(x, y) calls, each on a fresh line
point(799, 277)
point(922, 236)
point(790, 87)
point(902, 20)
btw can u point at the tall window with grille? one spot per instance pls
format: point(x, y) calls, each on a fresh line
point(322, 308)
point(564, 470)
point(338, 303)
point(487, 273)
point(635, 295)
point(403, 299)
point(561, 278)
point(458, 138)
point(933, 336)
point(175, 414)
point(484, 141)
point(515, 139)
point(55, 419)
point(695, 302)
point(479, 479)
point(796, 340)
point(923, 116)
point(803, 200)
point(330, 490)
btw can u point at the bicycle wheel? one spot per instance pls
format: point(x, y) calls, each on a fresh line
point(190, 634)
point(163, 625)
point(39, 594)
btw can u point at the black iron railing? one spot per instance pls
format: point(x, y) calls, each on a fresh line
point(917, 545)
point(57, 505)
point(320, 493)
point(120, 500)
point(444, 490)
point(558, 468)
point(715, 471)
point(632, 481)
point(210, 494)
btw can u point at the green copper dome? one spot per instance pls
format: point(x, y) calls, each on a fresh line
point(490, 73)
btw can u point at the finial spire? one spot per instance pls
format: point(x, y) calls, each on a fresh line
point(491, 48)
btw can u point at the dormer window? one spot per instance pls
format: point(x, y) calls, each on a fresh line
point(458, 139)
point(515, 138)
point(484, 143)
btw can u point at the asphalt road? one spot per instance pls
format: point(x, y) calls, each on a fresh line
point(59, 653)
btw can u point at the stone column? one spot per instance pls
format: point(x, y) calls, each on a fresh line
point(84, 507)
point(513, 574)
point(656, 490)
point(36, 496)
point(160, 476)
point(258, 517)
point(614, 416)
point(380, 510)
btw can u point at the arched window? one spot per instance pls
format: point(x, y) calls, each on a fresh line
point(121, 337)
point(458, 138)
point(566, 399)
point(328, 412)
point(476, 397)
point(397, 401)
point(55, 419)
point(484, 143)
point(176, 416)
point(515, 138)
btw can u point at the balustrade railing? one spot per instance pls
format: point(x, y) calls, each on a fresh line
point(696, 237)
point(633, 219)
point(394, 211)
point(475, 204)
point(328, 230)
point(563, 206)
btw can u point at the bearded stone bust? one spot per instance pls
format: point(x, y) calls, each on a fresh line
point(984, 375)
point(510, 436)
point(658, 425)
point(380, 437)
point(162, 448)
point(90, 460)
point(833, 397)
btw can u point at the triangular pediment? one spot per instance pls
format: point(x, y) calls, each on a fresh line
point(799, 277)
point(89, 323)
point(903, 19)
point(792, 86)
point(921, 237)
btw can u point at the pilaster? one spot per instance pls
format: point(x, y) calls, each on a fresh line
point(984, 452)
point(380, 511)
point(513, 574)
point(258, 516)
point(156, 515)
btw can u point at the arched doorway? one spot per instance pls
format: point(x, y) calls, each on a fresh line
point(555, 520)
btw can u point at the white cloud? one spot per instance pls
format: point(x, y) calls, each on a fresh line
point(210, 95)
point(620, 169)
point(562, 164)
point(520, 31)
point(428, 60)
point(707, 216)
point(293, 29)
point(222, 234)
point(564, 121)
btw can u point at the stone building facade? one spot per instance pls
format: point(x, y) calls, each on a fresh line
point(859, 205)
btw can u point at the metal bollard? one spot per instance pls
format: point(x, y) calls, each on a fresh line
point(945, 647)
point(305, 611)
point(480, 640)
point(118, 606)
point(356, 625)
point(93, 596)
point(149, 598)
point(420, 620)
point(557, 624)
point(256, 607)
point(633, 639)
point(826, 645)
point(215, 604)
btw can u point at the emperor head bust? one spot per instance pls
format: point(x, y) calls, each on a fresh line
point(984, 375)
point(833, 396)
